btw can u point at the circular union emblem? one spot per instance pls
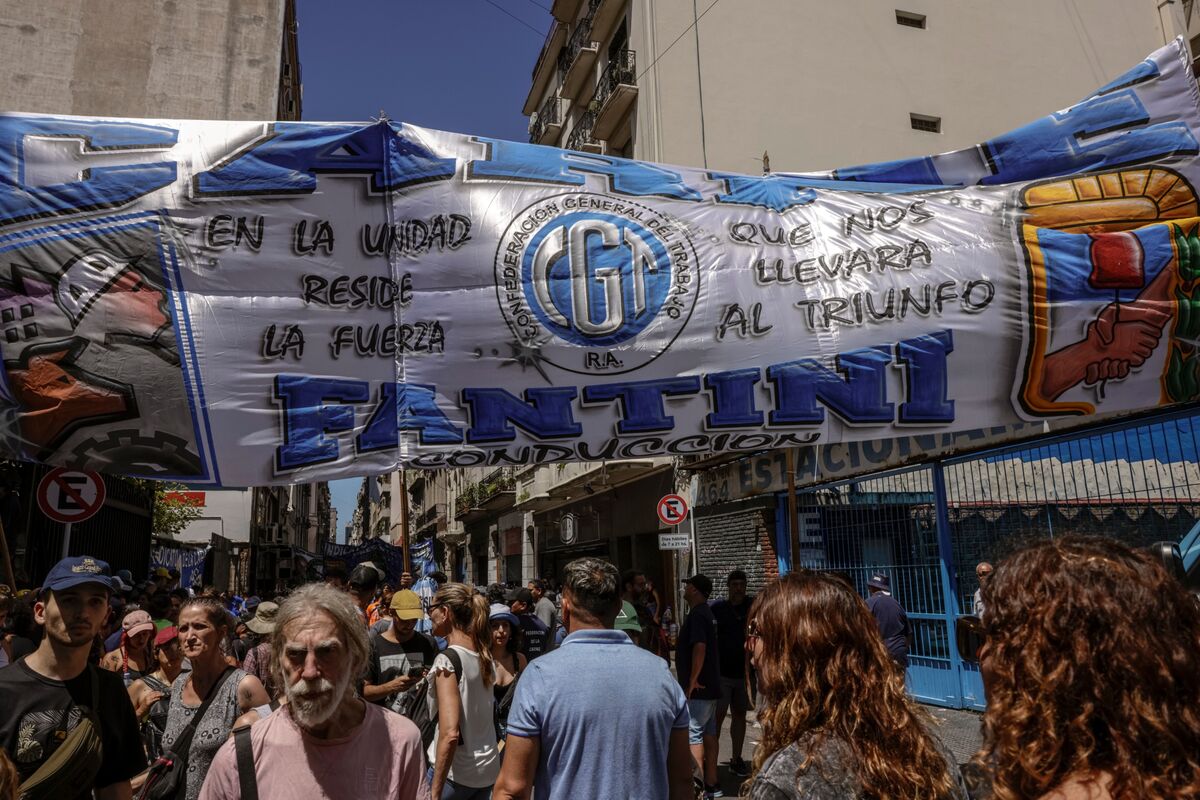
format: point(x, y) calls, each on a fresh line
point(567, 530)
point(595, 284)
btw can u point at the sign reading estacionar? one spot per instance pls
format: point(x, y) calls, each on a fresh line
point(674, 541)
point(68, 496)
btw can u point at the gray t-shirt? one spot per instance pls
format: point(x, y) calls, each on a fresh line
point(545, 611)
point(831, 776)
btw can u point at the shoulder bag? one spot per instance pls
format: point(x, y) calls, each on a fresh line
point(167, 778)
point(76, 762)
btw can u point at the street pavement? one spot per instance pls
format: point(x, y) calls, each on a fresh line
point(958, 730)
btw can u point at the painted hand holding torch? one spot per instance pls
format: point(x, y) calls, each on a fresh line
point(1124, 334)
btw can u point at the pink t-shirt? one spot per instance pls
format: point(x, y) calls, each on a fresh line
point(382, 758)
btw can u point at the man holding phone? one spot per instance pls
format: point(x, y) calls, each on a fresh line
point(399, 655)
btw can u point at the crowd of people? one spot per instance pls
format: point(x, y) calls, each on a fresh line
point(432, 689)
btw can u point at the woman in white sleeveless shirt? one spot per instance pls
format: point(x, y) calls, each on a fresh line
point(464, 754)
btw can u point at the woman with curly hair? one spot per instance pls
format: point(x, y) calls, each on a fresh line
point(1091, 662)
point(837, 721)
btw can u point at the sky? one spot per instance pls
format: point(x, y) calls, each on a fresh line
point(454, 65)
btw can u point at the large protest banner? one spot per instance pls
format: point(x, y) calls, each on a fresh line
point(249, 303)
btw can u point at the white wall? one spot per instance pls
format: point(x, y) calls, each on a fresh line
point(823, 84)
point(226, 512)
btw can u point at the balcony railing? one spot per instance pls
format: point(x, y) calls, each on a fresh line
point(581, 135)
point(549, 114)
point(621, 71)
point(580, 37)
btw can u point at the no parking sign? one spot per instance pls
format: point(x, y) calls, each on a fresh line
point(672, 509)
point(70, 495)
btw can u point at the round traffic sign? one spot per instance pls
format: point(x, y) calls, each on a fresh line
point(70, 495)
point(672, 509)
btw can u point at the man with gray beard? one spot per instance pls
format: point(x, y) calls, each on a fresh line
point(325, 741)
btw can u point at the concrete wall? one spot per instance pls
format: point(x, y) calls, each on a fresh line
point(225, 512)
point(823, 84)
point(214, 59)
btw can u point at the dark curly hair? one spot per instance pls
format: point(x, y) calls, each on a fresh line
point(825, 673)
point(1092, 671)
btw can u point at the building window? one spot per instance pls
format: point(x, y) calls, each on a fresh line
point(909, 19)
point(921, 122)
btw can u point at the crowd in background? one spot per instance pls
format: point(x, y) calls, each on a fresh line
point(353, 687)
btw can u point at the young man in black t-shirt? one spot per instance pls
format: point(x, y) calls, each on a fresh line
point(42, 693)
point(535, 636)
point(399, 655)
point(731, 614)
point(696, 666)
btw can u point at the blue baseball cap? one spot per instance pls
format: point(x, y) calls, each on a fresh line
point(76, 571)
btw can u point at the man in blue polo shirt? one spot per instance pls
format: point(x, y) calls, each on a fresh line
point(563, 728)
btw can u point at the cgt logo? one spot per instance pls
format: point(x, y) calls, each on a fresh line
point(577, 276)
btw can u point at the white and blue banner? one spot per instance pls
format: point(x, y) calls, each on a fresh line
point(238, 303)
point(189, 563)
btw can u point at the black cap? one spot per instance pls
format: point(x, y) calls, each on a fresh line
point(702, 583)
point(522, 594)
point(364, 576)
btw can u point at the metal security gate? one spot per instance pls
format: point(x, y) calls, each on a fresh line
point(927, 527)
point(887, 523)
point(1138, 482)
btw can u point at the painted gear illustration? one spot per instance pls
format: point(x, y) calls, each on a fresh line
point(131, 452)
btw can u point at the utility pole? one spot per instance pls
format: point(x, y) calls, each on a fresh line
point(404, 521)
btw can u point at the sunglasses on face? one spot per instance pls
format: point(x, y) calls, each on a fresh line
point(752, 631)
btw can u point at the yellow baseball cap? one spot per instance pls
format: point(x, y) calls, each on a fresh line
point(407, 605)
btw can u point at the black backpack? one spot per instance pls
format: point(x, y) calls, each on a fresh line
point(416, 706)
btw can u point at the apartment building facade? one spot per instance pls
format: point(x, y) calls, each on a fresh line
point(818, 85)
point(289, 526)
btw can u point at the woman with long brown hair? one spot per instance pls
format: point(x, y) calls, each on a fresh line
point(464, 755)
point(1091, 663)
point(203, 625)
point(837, 722)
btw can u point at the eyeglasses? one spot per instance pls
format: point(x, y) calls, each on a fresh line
point(969, 637)
point(437, 605)
point(752, 631)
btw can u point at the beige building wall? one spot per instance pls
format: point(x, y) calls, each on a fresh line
point(825, 83)
point(142, 58)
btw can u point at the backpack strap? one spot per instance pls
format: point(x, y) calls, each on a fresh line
point(455, 661)
point(247, 780)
